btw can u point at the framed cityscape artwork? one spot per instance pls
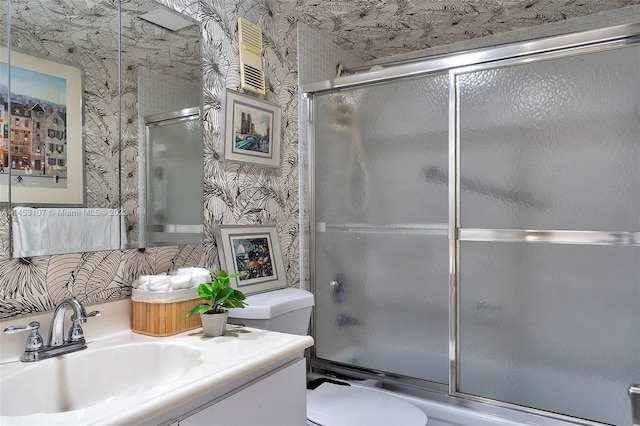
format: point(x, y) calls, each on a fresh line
point(252, 130)
point(41, 141)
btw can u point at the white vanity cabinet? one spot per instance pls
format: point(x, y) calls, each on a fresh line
point(277, 398)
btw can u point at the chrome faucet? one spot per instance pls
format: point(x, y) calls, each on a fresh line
point(36, 350)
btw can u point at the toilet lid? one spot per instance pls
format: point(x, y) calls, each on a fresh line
point(335, 405)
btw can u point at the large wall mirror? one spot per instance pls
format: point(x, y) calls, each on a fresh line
point(81, 82)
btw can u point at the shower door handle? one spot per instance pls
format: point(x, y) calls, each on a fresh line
point(337, 290)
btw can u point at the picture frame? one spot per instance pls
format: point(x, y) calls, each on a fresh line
point(252, 130)
point(45, 125)
point(254, 252)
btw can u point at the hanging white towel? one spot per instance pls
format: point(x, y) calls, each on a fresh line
point(41, 231)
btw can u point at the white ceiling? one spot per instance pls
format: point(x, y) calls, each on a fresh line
point(374, 29)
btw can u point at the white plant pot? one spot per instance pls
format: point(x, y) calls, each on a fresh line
point(214, 324)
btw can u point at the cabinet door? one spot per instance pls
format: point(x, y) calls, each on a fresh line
point(278, 399)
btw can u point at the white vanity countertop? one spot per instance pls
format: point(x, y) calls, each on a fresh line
point(227, 360)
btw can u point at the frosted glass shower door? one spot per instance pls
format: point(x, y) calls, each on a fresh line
point(549, 266)
point(174, 188)
point(381, 209)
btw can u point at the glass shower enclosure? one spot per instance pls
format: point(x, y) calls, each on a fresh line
point(474, 225)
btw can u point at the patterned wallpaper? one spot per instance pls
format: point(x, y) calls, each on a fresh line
point(375, 29)
point(240, 193)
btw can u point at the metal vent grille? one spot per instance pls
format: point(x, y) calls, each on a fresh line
point(250, 36)
point(253, 78)
point(250, 44)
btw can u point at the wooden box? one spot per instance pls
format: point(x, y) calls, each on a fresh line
point(153, 315)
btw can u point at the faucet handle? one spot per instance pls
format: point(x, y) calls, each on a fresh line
point(75, 332)
point(13, 329)
point(34, 341)
point(85, 317)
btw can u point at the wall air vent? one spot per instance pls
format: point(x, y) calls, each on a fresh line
point(250, 45)
point(167, 19)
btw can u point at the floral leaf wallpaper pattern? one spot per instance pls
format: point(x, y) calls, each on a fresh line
point(23, 286)
point(94, 273)
point(60, 270)
point(373, 29)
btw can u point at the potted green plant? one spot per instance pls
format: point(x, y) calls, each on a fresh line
point(222, 297)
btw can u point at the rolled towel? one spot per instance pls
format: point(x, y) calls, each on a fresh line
point(197, 275)
point(182, 271)
point(155, 283)
point(197, 279)
point(141, 285)
point(179, 282)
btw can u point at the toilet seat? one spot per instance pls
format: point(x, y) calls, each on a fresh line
point(336, 405)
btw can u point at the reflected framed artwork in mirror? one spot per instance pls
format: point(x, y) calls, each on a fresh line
point(253, 251)
point(44, 125)
point(252, 130)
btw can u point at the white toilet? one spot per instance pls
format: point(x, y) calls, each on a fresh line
point(289, 311)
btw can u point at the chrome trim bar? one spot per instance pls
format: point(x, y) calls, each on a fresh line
point(179, 115)
point(350, 371)
point(551, 236)
point(477, 56)
point(178, 229)
point(550, 418)
point(420, 229)
point(311, 175)
point(433, 391)
point(454, 220)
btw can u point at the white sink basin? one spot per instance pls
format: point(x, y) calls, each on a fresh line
point(85, 378)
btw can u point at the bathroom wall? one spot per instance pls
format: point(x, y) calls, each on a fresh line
point(159, 93)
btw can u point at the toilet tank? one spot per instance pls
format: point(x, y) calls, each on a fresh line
point(287, 310)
